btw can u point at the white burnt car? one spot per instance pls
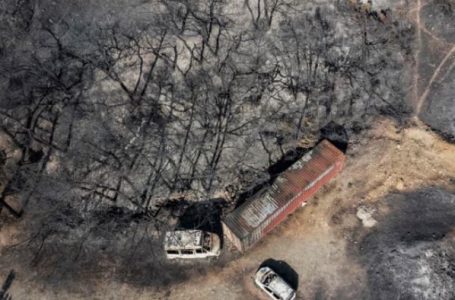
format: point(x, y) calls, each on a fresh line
point(191, 244)
point(271, 283)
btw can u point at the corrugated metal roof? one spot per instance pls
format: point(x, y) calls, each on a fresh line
point(301, 176)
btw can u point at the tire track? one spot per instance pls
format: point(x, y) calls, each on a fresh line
point(424, 95)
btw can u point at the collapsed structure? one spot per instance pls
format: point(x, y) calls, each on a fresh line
point(247, 224)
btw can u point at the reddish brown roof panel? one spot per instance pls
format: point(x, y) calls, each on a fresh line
point(300, 177)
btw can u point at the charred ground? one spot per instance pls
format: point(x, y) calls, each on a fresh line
point(410, 254)
point(122, 119)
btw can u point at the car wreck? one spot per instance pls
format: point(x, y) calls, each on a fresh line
point(272, 284)
point(191, 244)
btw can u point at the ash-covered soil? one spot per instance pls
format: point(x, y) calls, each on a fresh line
point(410, 253)
point(438, 18)
point(435, 60)
point(439, 109)
point(66, 252)
point(384, 229)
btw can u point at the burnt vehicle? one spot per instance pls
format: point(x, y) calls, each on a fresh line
point(272, 284)
point(191, 244)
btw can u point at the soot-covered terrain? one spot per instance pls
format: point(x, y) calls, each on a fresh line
point(410, 254)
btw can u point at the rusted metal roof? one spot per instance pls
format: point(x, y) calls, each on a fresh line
point(269, 203)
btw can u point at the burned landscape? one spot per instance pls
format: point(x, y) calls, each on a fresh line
point(121, 120)
point(411, 252)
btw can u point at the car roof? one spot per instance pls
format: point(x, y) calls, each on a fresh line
point(277, 284)
point(280, 287)
point(183, 239)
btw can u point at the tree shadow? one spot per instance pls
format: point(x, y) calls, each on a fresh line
point(284, 270)
point(336, 134)
point(274, 170)
point(4, 295)
point(250, 192)
point(287, 160)
point(203, 215)
point(332, 132)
